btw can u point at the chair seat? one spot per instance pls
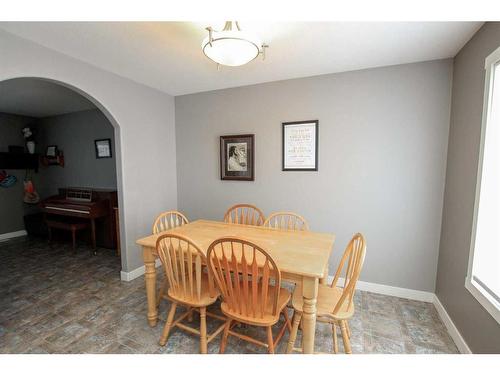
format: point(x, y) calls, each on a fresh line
point(326, 302)
point(268, 319)
point(186, 299)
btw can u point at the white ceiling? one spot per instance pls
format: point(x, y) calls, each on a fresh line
point(168, 56)
point(39, 98)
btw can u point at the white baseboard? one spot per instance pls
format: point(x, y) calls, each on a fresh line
point(450, 326)
point(8, 236)
point(134, 274)
point(418, 295)
point(395, 291)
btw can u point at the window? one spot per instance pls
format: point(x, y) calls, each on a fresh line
point(483, 277)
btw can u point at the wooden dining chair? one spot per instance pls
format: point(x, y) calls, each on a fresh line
point(168, 220)
point(244, 214)
point(165, 221)
point(249, 282)
point(335, 305)
point(286, 221)
point(189, 286)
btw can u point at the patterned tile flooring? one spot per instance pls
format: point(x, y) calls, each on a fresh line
point(52, 301)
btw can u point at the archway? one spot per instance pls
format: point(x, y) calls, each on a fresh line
point(117, 146)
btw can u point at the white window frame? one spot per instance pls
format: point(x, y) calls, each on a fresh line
point(471, 285)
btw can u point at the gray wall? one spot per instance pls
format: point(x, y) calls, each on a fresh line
point(74, 134)
point(382, 157)
point(144, 126)
point(11, 199)
point(479, 329)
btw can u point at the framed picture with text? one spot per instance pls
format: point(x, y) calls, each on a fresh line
point(103, 148)
point(300, 145)
point(237, 157)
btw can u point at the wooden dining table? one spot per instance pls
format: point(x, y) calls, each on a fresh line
point(301, 256)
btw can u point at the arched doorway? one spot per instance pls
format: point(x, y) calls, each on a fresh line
point(116, 130)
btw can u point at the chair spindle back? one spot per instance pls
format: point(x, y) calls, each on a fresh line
point(243, 272)
point(286, 221)
point(182, 261)
point(352, 261)
point(244, 214)
point(168, 220)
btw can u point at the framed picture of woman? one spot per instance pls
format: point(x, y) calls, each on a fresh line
point(237, 157)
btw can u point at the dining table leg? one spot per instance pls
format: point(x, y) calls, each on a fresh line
point(310, 295)
point(324, 279)
point(150, 278)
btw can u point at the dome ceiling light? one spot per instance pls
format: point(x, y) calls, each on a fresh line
point(232, 46)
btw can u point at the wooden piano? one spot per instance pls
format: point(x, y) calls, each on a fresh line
point(96, 205)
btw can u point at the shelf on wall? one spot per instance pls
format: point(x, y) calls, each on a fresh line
point(13, 160)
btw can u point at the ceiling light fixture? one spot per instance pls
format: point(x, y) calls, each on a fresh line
point(232, 46)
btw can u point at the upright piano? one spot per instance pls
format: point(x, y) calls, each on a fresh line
point(96, 205)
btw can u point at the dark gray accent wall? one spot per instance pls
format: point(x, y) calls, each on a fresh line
point(478, 328)
point(383, 137)
point(74, 134)
point(11, 199)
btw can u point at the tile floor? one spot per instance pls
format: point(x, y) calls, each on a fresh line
point(52, 301)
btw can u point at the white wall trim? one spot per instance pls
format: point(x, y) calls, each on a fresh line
point(395, 291)
point(482, 295)
point(139, 271)
point(450, 326)
point(8, 236)
point(418, 295)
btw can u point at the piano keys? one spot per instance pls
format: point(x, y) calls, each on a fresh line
point(96, 205)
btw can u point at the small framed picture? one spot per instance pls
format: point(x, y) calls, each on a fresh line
point(300, 145)
point(237, 157)
point(51, 151)
point(103, 148)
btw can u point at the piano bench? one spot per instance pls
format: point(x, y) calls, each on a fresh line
point(72, 226)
